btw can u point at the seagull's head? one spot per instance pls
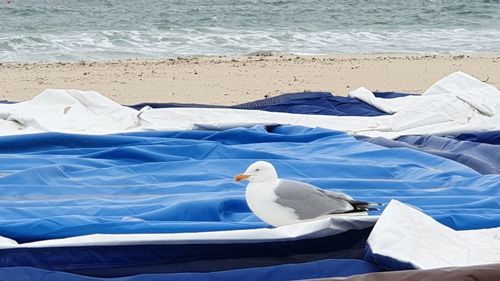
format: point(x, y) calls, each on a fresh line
point(258, 172)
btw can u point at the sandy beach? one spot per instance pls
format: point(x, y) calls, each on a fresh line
point(232, 80)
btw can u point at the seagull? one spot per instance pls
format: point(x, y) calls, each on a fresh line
point(281, 202)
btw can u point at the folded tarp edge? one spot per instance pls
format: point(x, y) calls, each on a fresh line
point(307, 230)
point(404, 235)
point(456, 103)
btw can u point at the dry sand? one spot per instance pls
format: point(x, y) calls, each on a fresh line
point(225, 80)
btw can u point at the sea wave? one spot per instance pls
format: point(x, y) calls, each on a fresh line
point(156, 43)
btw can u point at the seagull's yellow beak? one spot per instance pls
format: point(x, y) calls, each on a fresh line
point(241, 177)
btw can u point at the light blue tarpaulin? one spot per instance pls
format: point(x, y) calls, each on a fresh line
point(58, 185)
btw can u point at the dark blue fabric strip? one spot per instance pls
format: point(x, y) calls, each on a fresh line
point(323, 103)
point(314, 103)
point(317, 269)
point(491, 137)
point(478, 155)
point(385, 262)
point(112, 261)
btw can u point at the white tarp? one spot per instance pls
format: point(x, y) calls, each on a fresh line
point(307, 230)
point(408, 235)
point(456, 103)
point(70, 111)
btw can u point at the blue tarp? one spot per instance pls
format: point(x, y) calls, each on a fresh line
point(323, 103)
point(491, 137)
point(127, 260)
point(482, 157)
point(318, 269)
point(57, 185)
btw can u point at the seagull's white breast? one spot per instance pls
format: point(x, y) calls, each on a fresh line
point(261, 199)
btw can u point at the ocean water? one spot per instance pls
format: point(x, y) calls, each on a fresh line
point(68, 30)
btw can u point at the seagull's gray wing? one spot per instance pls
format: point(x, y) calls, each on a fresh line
point(336, 194)
point(309, 202)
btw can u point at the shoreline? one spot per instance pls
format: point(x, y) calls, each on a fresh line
point(231, 80)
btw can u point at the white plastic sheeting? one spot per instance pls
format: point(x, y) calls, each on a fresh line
point(307, 230)
point(456, 103)
point(70, 111)
point(408, 235)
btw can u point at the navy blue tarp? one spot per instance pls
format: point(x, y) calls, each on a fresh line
point(482, 157)
point(491, 137)
point(126, 260)
point(323, 103)
point(318, 269)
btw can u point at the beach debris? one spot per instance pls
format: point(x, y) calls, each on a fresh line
point(261, 54)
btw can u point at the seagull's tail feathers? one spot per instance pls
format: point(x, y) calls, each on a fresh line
point(361, 206)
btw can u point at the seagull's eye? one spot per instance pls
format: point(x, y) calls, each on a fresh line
point(257, 169)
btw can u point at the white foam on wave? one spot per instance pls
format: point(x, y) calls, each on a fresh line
point(116, 44)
